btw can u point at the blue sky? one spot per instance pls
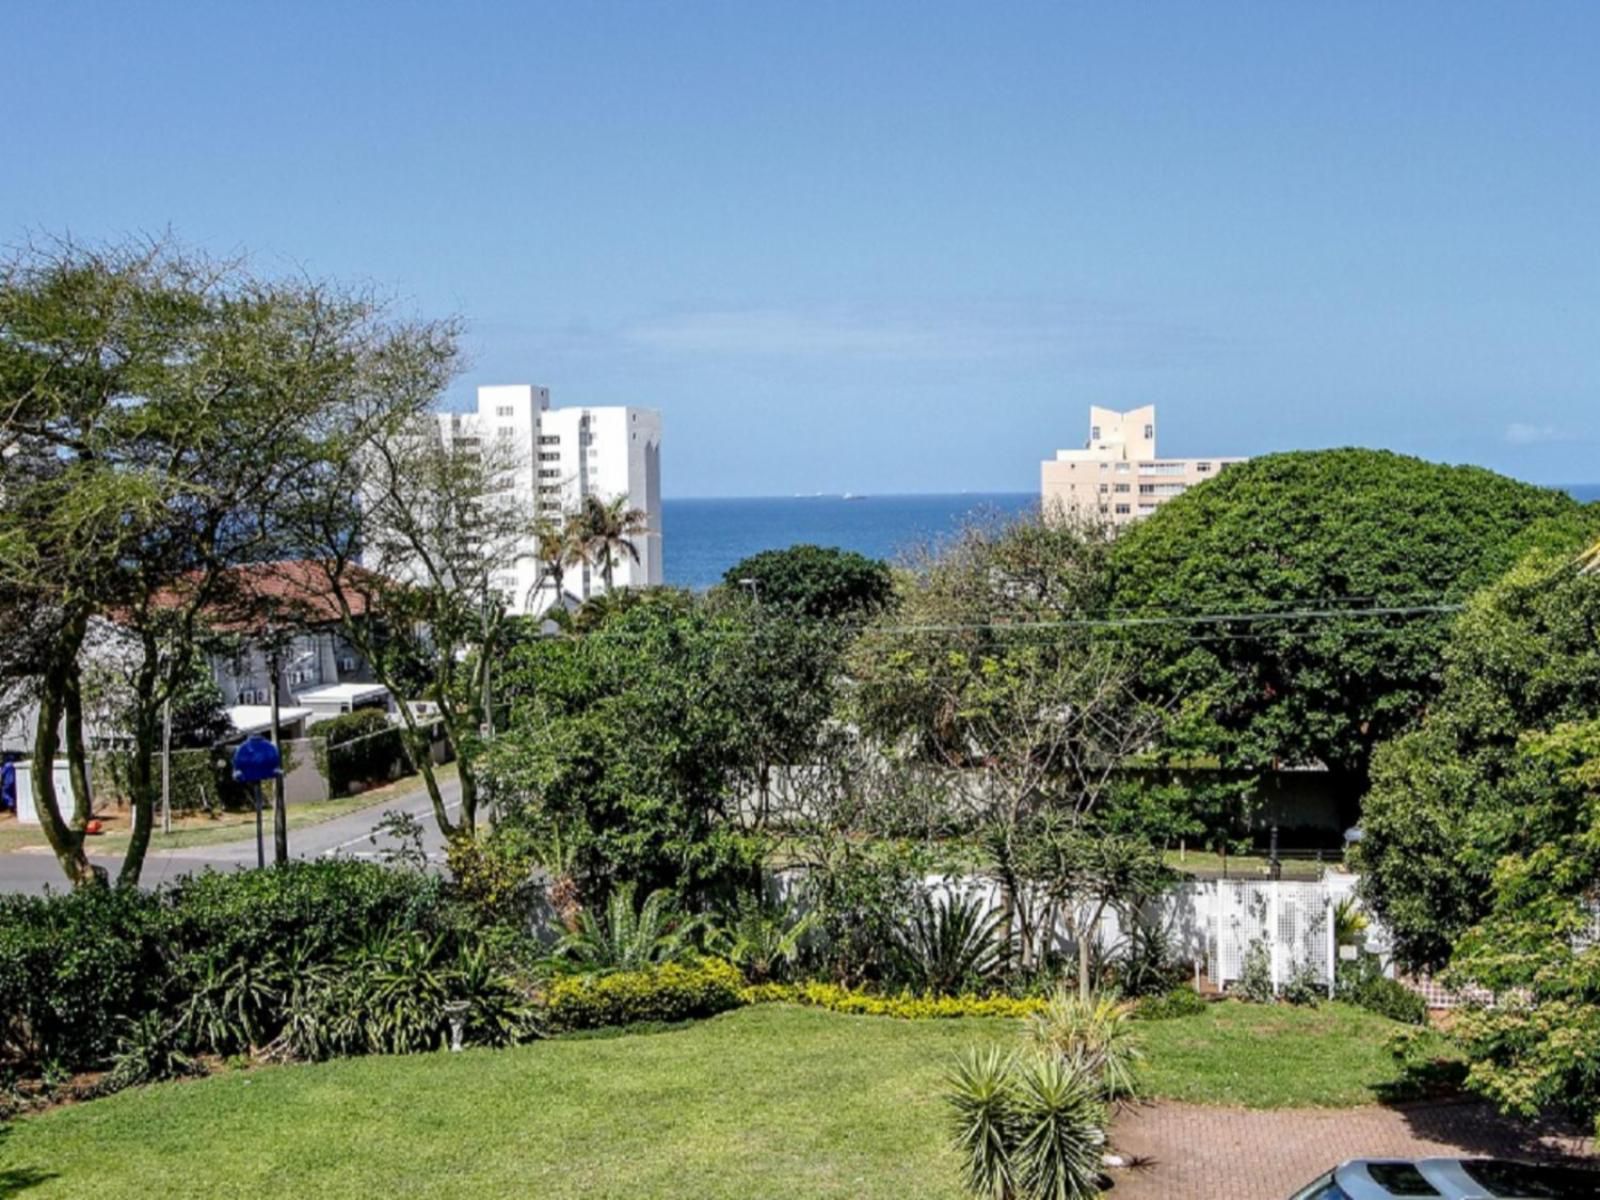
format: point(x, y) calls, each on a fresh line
point(889, 247)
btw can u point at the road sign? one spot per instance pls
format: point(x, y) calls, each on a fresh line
point(255, 760)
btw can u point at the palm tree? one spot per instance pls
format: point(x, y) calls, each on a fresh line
point(605, 529)
point(557, 546)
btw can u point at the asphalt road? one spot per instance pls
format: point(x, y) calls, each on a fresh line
point(350, 835)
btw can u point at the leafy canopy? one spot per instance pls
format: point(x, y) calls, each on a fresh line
point(819, 582)
point(1317, 530)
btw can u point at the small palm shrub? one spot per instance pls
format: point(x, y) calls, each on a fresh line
point(948, 947)
point(1028, 1127)
point(625, 938)
point(148, 1052)
point(1095, 1035)
point(762, 938)
point(1147, 964)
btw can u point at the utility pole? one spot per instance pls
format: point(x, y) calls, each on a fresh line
point(280, 814)
point(166, 764)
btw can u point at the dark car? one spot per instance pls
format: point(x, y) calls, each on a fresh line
point(1451, 1179)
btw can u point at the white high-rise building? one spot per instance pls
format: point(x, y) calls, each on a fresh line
point(557, 458)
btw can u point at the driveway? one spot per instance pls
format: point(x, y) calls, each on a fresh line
point(351, 834)
point(1185, 1151)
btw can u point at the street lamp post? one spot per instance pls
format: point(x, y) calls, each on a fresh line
point(255, 761)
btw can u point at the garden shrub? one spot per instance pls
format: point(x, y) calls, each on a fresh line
point(1255, 975)
point(319, 907)
point(1363, 982)
point(70, 966)
point(670, 992)
point(1179, 1002)
point(363, 746)
point(908, 1007)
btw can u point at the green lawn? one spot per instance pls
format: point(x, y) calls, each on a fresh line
point(772, 1101)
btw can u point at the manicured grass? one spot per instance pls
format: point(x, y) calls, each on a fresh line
point(770, 1101)
point(1273, 1056)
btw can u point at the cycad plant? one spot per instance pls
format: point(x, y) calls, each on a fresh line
point(1029, 1127)
point(625, 938)
point(950, 946)
point(762, 938)
point(1097, 1036)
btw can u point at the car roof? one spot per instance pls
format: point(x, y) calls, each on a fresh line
point(1462, 1179)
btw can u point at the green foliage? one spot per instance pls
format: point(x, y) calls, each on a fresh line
point(1317, 530)
point(673, 991)
point(948, 945)
point(1027, 1128)
point(1255, 975)
point(762, 937)
point(1363, 982)
point(148, 1052)
point(1452, 799)
point(364, 746)
point(628, 936)
point(643, 739)
point(71, 967)
point(1146, 963)
point(905, 1006)
point(1182, 1001)
point(497, 874)
point(815, 582)
point(1095, 1036)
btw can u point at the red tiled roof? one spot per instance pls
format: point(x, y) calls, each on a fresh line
point(289, 591)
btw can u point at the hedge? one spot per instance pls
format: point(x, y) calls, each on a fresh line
point(671, 992)
point(363, 746)
point(905, 1007)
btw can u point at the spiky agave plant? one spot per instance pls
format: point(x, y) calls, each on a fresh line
point(1096, 1035)
point(1060, 1124)
point(980, 1089)
point(1027, 1127)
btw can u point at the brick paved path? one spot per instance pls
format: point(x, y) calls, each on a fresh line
point(1190, 1152)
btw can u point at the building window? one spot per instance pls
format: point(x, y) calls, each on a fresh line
point(550, 473)
point(549, 456)
point(504, 410)
point(1162, 468)
point(1104, 488)
point(1094, 433)
point(1122, 466)
point(1122, 487)
point(549, 439)
point(1149, 433)
point(1122, 510)
point(1202, 467)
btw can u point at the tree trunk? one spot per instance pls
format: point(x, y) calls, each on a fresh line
point(142, 801)
point(422, 759)
point(66, 842)
point(77, 760)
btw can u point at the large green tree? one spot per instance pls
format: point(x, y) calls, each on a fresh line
point(1453, 798)
point(816, 582)
point(1312, 542)
point(647, 739)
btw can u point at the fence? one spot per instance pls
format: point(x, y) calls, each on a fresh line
point(1213, 923)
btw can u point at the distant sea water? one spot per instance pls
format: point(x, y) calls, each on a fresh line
point(703, 538)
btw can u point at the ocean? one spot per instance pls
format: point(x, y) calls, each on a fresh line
point(703, 538)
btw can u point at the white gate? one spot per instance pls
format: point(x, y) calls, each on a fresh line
point(1293, 922)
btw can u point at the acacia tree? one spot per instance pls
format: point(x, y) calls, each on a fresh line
point(158, 407)
point(410, 534)
point(993, 668)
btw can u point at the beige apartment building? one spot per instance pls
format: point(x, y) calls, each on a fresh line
point(1118, 473)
